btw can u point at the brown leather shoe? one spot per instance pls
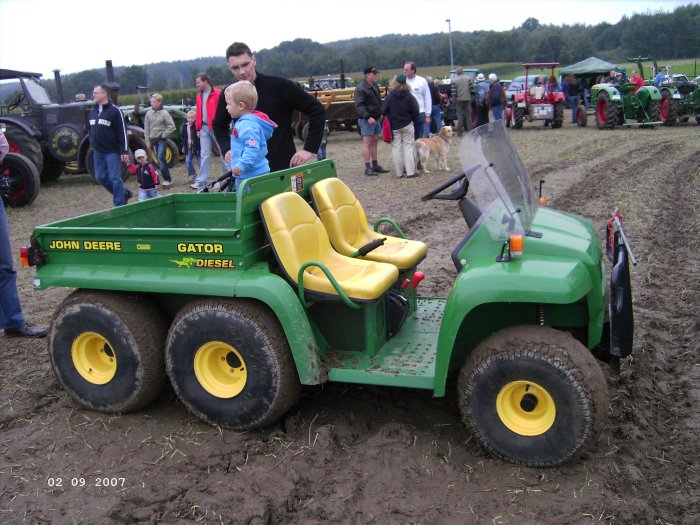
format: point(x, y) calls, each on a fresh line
point(27, 331)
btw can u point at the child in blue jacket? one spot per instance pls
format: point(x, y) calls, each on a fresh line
point(250, 132)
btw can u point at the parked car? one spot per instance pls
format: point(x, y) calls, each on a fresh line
point(517, 85)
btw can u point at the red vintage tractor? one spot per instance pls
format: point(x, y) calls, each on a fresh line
point(541, 101)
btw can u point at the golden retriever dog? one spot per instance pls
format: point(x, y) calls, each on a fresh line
point(437, 147)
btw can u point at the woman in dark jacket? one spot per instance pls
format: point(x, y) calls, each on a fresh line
point(401, 107)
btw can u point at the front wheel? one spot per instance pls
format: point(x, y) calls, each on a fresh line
point(106, 349)
point(230, 364)
point(606, 112)
point(19, 180)
point(533, 396)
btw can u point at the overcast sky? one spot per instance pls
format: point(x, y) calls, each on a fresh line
point(72, 35)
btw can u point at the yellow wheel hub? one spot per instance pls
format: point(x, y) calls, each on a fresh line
point(526, 408)
point(94, 358)
point(220, 369)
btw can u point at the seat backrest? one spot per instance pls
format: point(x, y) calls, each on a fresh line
point(342, 215)
point(295, 231)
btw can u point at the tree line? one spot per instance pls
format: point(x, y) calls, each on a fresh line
point(669, 36)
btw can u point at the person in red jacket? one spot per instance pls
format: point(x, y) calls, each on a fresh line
point(207, 100)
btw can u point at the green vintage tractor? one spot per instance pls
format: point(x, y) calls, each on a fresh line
point(618, 104)
point(136, 113)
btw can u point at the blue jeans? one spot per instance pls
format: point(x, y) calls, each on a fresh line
point(497, 112)
point(574, 101)
point(10, 309)
point(435, 118)
point(161, 147)
point(419, 126)
point(205, 140)
point(190, 165)
point(108, 172)
point(150, 193)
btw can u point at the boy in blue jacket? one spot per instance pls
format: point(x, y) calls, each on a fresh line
point(250, 132)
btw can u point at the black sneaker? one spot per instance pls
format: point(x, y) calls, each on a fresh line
point(127, 196)
point(370, 172)
point(379, 169)
point(27, 331)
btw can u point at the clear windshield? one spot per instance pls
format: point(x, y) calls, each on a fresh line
point(501, 185)
point(37, 91)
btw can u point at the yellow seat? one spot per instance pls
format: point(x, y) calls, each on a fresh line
point(297, 236)
point(348, 229)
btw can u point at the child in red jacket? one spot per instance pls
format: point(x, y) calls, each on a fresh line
point(146, 175)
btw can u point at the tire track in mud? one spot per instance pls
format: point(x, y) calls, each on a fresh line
point(658, 191)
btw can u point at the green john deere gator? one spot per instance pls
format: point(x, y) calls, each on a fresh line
point(241, 298)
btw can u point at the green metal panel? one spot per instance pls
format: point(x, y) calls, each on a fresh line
point(563, 267)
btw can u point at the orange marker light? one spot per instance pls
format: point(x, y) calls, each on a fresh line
point(24, 256)
point(516, 244)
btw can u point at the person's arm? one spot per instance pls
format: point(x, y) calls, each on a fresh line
point(251, 149)
point(360, 105)
point(220, 124)
point(169, 125)
point(427, 101)
point(300, 100)
point(120, 131)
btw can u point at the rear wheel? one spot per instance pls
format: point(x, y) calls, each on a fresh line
point(172, 153)
point(20, 180)
point(606, 112)
point(23, 143)
point(230, 364)
point(668, 110)
point(533, 395)
point(654, 110)
point(53, 169)
point(582, 116)
point(558, 115)
point(518, 117)
point(106, 349)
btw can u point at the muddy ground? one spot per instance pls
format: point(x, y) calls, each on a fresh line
point(350, 454)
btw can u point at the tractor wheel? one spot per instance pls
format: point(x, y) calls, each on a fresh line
point(106, 349)
point(606, 112)
point(518, 117)
point(52, 170)
point(558, 115)
point(23, 143)
point(22, 178)
point(230, 364)
point(172, 153)
point(533, 395)
point(668, 110)
point(582, 116)
point(654, 110)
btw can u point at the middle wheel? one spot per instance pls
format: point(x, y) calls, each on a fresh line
point(230, 364)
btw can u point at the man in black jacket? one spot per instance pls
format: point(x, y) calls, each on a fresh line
point(109, 144)
point(278, 98)
point(368, 104)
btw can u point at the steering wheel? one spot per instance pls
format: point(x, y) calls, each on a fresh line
point(15, 102)
point(454, 180)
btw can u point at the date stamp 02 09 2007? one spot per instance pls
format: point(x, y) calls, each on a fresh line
point(80, 482)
